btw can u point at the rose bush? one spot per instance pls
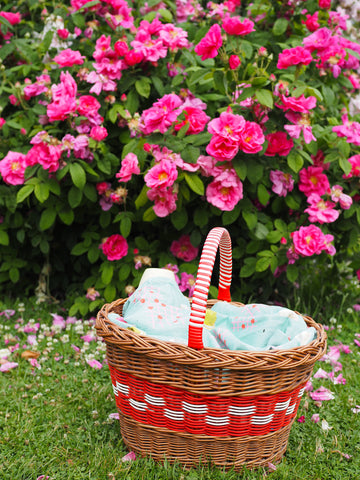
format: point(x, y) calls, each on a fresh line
point(129, 130)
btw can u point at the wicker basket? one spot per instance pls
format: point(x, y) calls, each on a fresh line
point(192, 404)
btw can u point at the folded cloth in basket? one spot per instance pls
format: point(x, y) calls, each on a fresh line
point(158, 308)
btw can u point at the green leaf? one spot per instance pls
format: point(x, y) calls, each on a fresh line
point(295, 161)
point(195, 183)
point(263, 264)
point(110, 293)
point(201, 217)
point(265, 97)
point(79, 249)
point(14, 275)
point(4, 238)
point(292, 273)
point(41, 192)
point(107, 273)
point(250, 218)
point(248, 268)
point(74, 197)
point(220, 81)
point(24, 192)
point(230, 217)
point(93, 254)
point(124, 272)
point(78, 175)
point(261, 231)
point(179, 218)
point(142, 198)
point(149, 215)
point(132, 101)
point(47, 218)
point(263, 194)
point(66, 215)
point(6, 49)
point(240, 168)
point(143, 86)
point(125, 226)
point(255, 172)
point(345, 165)
point(159, 86)
point(280, 26)
point(90, 192)
point(274, 236)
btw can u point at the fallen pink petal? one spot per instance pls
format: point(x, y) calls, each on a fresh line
point(356, 409)
point(321, 374)
point(8, 366)
point(129, 457)
point(271, 466)
point(94, 364)
point(325, 426)
point(357, 342)
point(301, 419)
point(322, 394)
point(114, 416)
point(315, 418)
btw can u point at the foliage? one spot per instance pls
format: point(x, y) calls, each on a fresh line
point(117, 120)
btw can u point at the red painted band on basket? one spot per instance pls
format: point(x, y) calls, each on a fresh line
point(180, 410)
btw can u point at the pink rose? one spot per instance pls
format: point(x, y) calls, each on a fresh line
point(225, 191)
point(320, 210)
point(88, 105)
point(12, 168)
point(161, 175)
point(294, 56)
point(114, 247)
point(234, 62)
point(355, 167)
point(98, 133)
point(184, 249)
point(313, 180)
point(195, 118)
point(236, 26)
point(129, 167)
point(278, 144)
point(282, 182)
point(64, 98)
point(164, 199)
point(309, 241)
point(251, 138)
point(45, 154)
point(222, 148)
point(68, 58)
point(208, 46)
point(161, 115)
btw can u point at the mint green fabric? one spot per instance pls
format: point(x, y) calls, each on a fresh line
point(158, 309)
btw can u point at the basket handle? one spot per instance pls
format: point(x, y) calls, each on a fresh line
point(218, 237)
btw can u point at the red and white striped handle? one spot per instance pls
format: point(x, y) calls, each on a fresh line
point(217, 238)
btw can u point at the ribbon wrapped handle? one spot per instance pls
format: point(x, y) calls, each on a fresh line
point(218, 238)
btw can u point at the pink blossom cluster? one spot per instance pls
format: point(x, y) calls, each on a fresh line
point(109, 196)
point(308, 241)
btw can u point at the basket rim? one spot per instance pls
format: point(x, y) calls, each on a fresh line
point(209, 357)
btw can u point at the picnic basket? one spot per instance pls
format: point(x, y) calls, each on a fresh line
point(192, 404)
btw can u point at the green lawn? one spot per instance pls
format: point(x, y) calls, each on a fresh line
point(54, 412)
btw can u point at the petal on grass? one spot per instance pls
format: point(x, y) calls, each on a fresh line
point(129, 457)
point(94, 364)
point(321, 374)
point(114, 416)
point(8, 366)
point(322, 394)
point(315, 418)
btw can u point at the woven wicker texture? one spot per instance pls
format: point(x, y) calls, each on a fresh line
point(191, 450)
point(208, 371)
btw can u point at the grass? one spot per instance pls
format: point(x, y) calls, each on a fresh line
point(54, 420)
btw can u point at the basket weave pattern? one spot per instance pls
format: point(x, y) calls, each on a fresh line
point(192, 404)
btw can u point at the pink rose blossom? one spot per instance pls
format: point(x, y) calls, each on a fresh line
point(68, 58)
point(12, 168)
point(325, 4)
point(187, 282)
point(297, 104)
point(88, 105)
point(236, 26)
point(310, 240)
point(282, 182)
point(301, 124)
point(58, 321)
point(184, 249)
point(161, 115)
point(349, 129)
point(64, 98)
point(312, 22)
point(322, 394)
point(45, 154)
point(114, 247)
point(209, 45)
point(195, 118)
point(225, 191)
point(129, 167)
point(320, 210)
point(313, 180)
point(251, 138)
point(129, 457)
point(174, 38)
point(161, 175)
point(278, 144)
point(98, 133)
point(319, 40)
point(294, 56)
point(165, 200)
point(337, 195)
point(234, 62)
